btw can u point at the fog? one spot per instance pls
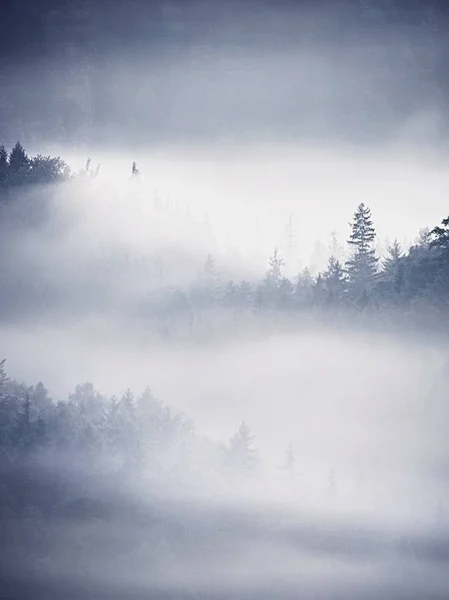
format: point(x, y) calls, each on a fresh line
point(245, 145)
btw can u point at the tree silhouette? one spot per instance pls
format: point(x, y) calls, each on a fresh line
point(361, 268)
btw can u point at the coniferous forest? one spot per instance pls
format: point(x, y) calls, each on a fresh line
point(105, 496)
point(223, 337)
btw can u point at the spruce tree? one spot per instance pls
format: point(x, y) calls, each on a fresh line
point(244, 294)
point(3, 162)
point(334, 282)
point(23, 423)
point(268, 292)
point(207, 289)
point(361, 268)
point(240, 453)
point(393, 270)
point(304, 288)
point(274, 273)
point(17, 158)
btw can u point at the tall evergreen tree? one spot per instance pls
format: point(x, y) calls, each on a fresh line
point(268, 292)
point(274, 272)
point(3, 162)
point(304, 288)
point(361, 268)
point(18, 158)
point(392, 274)
point(23, 423)
point(334, 282)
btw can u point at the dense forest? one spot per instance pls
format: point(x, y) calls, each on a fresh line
point(291, 442)
point(406, 287)
point(91, 484)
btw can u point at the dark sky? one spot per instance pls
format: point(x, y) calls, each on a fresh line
point(49, 48)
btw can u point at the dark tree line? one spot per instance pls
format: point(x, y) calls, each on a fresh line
point(18, 169)
point(409, 284)
point(71, 461)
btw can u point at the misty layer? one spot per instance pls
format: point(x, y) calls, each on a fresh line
point(79, 245)
point(102, 497)
point(313, 454)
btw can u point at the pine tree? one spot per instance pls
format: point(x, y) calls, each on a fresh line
point(334, 282)
point(335, 248)
point(3, 163)
point(439, 237)
point(244, 294)
point(3, 378)
point(240, 453)
point(361, 268)
point(207, 289)
point(394, 255)
point(135, 171)
point(268, 292)
point(23, 423)
point(304, 288)
point(285, 294)
point(392, 274)
point(17, 158)
point(274, 273)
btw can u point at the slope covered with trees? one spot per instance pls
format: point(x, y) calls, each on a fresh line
point(405, 286)
point(111, 496)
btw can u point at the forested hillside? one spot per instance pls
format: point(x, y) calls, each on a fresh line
point(408, 286)
point(112, 496)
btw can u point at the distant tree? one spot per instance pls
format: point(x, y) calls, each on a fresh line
point(268, 290)
point(240, 453)
point(274, 273)
point(135, 171)
point(244, 294)
point(44, 169)
point(3, 162)
point(334, 282)
point(424, 238)
point(3, 377)
point(18, 158)
point(23, 431)
point(285, 294)
point(361, 268)
point(206, 291)
point(392, 273)
point(304, 289)
point(335, 248)
point(439, 237)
